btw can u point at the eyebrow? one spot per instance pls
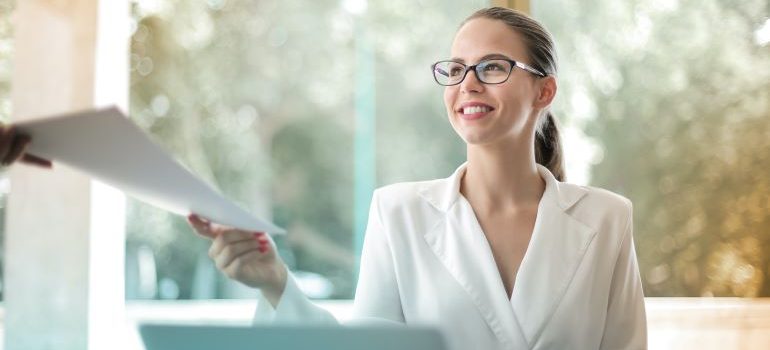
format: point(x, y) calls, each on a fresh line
point(486, 57)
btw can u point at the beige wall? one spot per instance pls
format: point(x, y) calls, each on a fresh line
point(64, 241)
point(521, 5)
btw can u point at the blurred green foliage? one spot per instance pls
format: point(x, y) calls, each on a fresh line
point(679, 100)
point(258, 97)
point(665, 102)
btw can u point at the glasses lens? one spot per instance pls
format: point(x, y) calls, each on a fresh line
point(493, 71)
point(448, 72)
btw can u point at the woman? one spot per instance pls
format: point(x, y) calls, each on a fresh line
point(500, 255)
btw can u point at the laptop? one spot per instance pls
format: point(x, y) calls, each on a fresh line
point(205, 337)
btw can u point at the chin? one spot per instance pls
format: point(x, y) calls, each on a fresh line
point(475, 137)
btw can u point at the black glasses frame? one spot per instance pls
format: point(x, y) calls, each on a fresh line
point(514, 64)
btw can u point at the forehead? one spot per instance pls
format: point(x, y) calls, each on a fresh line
point(482, 36)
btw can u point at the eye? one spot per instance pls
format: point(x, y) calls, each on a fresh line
point(494, 67)
point(456, 71)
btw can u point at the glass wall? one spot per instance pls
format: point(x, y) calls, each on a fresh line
point(297, 110)
point(672, 99)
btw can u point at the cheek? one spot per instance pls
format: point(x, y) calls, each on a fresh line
point(449, 98)
point(515, 102)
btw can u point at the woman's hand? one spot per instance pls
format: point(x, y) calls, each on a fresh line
point(13, 147)
point(247, 257)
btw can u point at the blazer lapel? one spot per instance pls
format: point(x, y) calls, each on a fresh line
point(557, 246)
point(459, 243)
point(463, 249)
point(555, 251)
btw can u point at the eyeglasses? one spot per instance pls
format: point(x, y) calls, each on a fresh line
point(495, 71)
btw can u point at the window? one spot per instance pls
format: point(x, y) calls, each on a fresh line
point(261, 98)
point(295, 110)
point(668, 102)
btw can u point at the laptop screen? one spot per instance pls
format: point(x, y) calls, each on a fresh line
point(202, 337)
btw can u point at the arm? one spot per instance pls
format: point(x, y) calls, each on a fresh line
point(292, 306)
point(377, 299)
point(626, 323)
point(251, 258)
point(377, 296)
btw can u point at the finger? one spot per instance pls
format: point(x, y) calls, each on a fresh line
point(264, 242)
point(235, 235)
point(18, 146)
point(226, 238)
point(235, 269)
point(201, 226)
point(232, 251)
point(197, 223)
point(209, 228)
point(6, 139)
point(35, 160)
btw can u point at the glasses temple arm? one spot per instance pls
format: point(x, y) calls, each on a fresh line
point(441, 71)
point(528, 68)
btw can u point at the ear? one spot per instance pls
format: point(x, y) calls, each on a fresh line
point(548, 87)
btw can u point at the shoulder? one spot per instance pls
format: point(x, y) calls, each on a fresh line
point(406, 194)
point(599, 198)
point(400, 189)
point(602, 210)
point(409, 206)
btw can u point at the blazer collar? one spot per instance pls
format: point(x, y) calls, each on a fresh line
point(443, 193)
point(556, 249)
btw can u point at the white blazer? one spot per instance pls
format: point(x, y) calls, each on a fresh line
point(426, 261)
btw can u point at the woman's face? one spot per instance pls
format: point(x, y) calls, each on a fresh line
point(508, 111)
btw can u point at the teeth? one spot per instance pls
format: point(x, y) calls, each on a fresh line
point(475, 109)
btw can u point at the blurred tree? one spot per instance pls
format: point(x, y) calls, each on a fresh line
point(668, 101)
point(257, 98)
point(216, 82)
point(677, 93)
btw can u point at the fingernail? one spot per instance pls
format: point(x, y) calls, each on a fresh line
point(262, 249)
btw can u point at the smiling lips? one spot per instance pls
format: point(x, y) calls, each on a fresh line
point(474, 110)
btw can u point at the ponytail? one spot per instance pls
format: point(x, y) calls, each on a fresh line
point(548, 152)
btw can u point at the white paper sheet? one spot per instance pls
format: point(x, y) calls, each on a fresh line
point(109, 147)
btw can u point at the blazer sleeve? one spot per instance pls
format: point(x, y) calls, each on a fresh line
point(626, 323)
point(293, 307)
point(377, 299)
point(377, 294)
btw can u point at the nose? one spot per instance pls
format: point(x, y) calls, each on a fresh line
point(471, 82)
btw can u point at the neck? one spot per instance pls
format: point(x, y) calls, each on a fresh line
point(502, 177)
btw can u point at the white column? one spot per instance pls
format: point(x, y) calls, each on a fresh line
point(64, 243)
